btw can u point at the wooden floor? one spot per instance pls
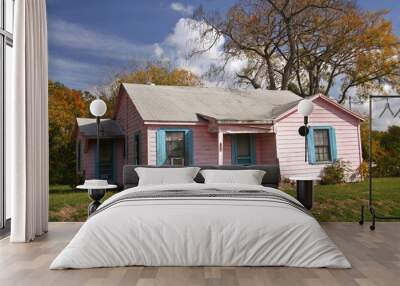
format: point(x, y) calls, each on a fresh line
point(375, 257)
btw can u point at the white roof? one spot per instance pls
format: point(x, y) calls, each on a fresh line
point(175, 103)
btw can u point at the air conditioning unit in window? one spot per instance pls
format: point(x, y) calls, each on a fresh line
point(177, 161)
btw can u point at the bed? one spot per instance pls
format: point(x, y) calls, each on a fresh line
point(198, 224)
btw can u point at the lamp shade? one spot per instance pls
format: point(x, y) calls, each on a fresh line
point(98, 107)
point(305, 107)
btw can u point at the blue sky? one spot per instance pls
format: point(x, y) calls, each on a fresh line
point(90, 40)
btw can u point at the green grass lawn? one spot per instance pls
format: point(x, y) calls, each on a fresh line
point(332, 202)
point(343, 202)
point(65, 204)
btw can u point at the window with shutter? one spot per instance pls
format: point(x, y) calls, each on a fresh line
point(322, 145)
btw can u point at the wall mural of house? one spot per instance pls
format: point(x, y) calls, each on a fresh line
point(168, 125)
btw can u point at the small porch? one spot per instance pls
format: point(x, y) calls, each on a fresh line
point(212, 144)
point(112, 141)
point(251, 143)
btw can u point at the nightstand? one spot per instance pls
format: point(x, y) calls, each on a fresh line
point(305, 189)
point(96, 191)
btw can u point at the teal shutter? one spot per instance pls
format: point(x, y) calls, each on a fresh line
point(253, 149)
point(332, 143)
point(189, 147)
point(161, 148)
point(137, 148)
point(114, 161)
point(311, 146)
point(234, 150)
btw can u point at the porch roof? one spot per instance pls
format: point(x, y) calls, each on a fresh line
point(221, 105)
point(108, 128)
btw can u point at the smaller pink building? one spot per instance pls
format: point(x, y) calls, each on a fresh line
point(167, 125)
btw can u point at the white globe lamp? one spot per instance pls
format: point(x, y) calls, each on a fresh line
point(98, 107)
point(305, 107)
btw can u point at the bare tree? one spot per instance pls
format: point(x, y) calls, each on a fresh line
point(307, 46)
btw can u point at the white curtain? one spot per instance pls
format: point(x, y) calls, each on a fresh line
point(27, 124)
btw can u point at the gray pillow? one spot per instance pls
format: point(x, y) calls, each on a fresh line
point(247, 177)
point(166, 176)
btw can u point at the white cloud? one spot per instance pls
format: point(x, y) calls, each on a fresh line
point(180, 43)
point(158, 50)
point(113, 52)
point(382, 116)
point(182, 8)
point(74, 36)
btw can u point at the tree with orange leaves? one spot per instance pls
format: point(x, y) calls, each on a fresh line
point(160, 75)
point(64, 106)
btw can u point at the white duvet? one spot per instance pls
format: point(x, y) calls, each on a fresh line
point(200, 231)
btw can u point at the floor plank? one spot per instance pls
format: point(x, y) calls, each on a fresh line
point(375, 257)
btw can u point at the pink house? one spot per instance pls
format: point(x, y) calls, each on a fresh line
point(168, 125)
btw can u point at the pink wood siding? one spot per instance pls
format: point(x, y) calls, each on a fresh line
point(266, 149)
point(205, 145)
point(89, 156)
point(284, 146)
point(227, 149)
point(119, 160)
point(130, 121)
point(290, 145)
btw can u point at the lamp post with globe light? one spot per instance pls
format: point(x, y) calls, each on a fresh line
point(305, 184)
point(96, 188)
point(98, 108)
point(305, 108)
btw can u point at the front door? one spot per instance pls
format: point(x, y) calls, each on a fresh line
point(243, 149)
point(106, 164)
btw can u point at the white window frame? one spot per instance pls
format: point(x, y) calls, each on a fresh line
point(6, 39)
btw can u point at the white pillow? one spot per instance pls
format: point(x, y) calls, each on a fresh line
point(166, 176)
point(248, 177)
